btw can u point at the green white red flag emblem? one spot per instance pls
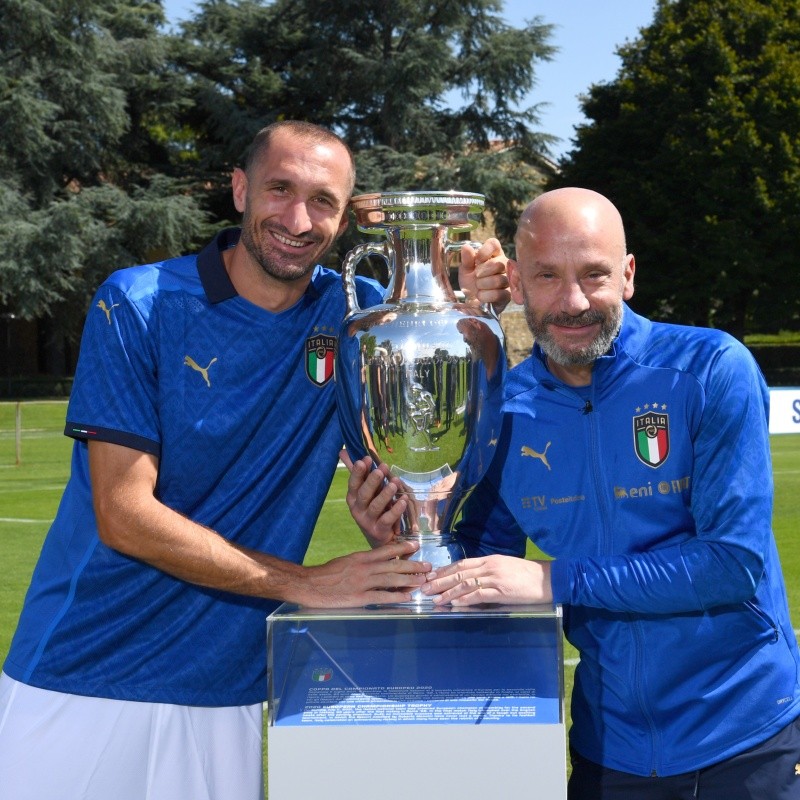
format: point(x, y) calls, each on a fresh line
point(651, 438)
point(320, 675)
point(320, 352)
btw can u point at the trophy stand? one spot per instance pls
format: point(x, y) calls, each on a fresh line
point(395, 702)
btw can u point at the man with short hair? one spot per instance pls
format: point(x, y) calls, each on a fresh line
point(206, 439)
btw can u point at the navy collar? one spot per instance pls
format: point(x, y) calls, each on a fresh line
point(211, 268)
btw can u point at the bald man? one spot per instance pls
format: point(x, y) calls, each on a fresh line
point(636, 455)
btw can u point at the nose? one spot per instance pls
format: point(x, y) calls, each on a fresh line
point(573, 299)
point(296, 218)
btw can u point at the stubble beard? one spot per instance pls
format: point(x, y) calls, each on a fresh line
point(278, 266)
point(609, 328)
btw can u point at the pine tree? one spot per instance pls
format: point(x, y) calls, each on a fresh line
point(423, 90)
point(696, 140)
point(84, 96)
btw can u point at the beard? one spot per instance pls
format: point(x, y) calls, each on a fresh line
point(609, 328)
point(276, 264)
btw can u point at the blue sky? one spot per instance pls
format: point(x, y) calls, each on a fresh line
point(587, 33)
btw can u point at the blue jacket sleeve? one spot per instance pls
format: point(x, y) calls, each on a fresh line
point(487, 526)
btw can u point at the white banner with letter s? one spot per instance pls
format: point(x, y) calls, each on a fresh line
point(784, 410)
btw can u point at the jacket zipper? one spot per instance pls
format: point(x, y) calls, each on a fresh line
point(588, 410)
point(767, 620)
point(644, 706)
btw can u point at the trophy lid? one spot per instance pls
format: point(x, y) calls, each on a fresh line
point(378, 211)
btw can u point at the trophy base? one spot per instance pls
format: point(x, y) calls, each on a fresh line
point(439, 551)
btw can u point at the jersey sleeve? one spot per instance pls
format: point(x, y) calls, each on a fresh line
point(115, 391)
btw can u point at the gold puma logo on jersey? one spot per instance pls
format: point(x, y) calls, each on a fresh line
point(528, 451)
point(190, 362)
point(105, 309)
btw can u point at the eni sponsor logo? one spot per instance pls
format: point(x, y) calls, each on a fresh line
point(190, 362)
point(675, 486)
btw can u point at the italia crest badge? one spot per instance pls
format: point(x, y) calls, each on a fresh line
point(320, 351)
point(651, 437)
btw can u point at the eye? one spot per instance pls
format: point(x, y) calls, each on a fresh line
point(326, 202)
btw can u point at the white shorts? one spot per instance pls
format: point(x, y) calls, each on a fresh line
point(55, 745)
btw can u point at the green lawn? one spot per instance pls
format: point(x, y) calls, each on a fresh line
point(30, 490)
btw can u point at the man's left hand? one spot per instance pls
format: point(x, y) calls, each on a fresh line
point(490, 579)
point(371, 498)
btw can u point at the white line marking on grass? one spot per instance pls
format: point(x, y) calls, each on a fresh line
point(21, 519)
point(54, 487)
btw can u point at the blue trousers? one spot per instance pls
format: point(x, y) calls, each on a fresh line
point(769, 771)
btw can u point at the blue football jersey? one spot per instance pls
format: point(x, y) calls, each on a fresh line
point(238, 405)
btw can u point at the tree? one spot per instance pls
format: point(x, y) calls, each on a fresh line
point(421, 89)
point(83, 92)
point(697, 143)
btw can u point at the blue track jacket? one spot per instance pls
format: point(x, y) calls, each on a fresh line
point(652, 490)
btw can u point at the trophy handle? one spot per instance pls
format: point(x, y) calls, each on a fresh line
point(349, 269)
point(453, 246)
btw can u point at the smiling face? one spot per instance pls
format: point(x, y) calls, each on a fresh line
point(572, 275)
point(293, 200)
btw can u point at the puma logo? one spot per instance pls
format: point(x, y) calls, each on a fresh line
point(106, 310)
point(527, 451)
point(190, 362)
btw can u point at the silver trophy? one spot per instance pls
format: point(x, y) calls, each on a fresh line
point(419, 377)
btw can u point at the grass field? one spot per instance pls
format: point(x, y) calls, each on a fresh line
point(30, 491)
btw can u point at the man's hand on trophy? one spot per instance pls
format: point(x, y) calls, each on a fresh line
point(490, 579)
point(371, 499)
point(482, 274)
point(379, 576)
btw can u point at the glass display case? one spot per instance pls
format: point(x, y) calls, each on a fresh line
point(355, 693)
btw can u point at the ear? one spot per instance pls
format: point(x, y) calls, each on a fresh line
point(630, 269)
point(514, 283)
point(239, 187)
